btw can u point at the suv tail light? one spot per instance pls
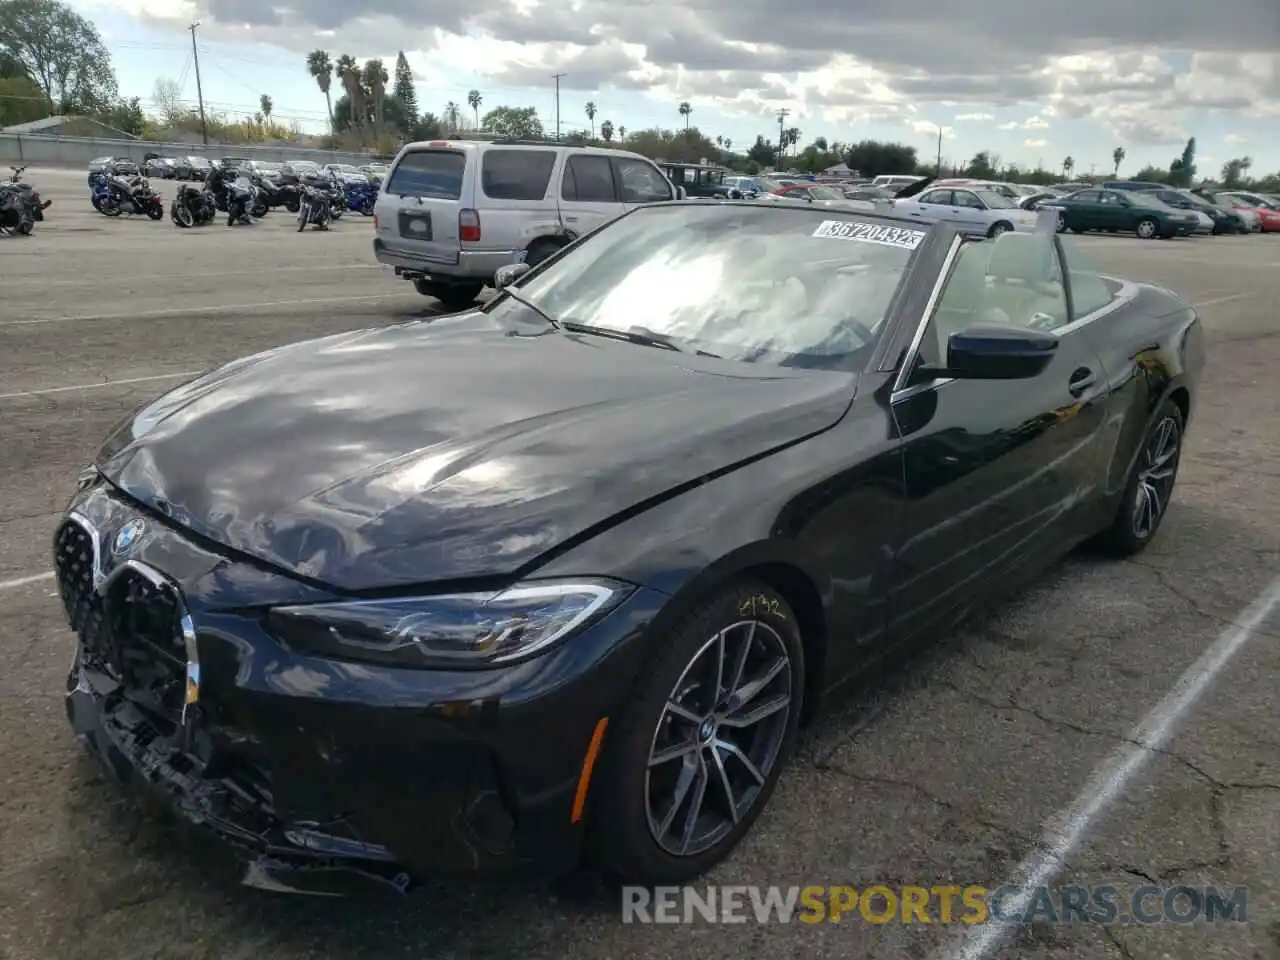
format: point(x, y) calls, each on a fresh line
point(468, 226)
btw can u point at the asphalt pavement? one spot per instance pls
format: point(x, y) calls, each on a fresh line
point(1078, 708)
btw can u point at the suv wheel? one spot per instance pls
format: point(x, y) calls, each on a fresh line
point(452, 296)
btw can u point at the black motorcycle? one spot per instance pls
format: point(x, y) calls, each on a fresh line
point(241, 201)
point(314, 208)
point(31, 197)
point(131, 195)
point(276, 193)
point(192, 207)
point(14, 215)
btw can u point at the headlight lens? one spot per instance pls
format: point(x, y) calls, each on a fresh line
point(455, 631)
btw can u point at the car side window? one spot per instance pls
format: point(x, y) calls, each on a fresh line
point(1088, 196)
point(966, 198)
point(1089, 291)
point(513, 174)
point(941, 197)
point(640, 182)
point(588, 179)
point(1013, 280)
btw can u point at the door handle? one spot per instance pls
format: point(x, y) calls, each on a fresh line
point(1081, 381)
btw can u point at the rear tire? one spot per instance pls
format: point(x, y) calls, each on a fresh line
point(1151, 481)
point(452, 296)
point(639, 810)
point(539, 250)
point(1147, 228)
point(999, 228)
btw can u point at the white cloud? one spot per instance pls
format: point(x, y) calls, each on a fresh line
point(1035, 144)
point(974, 116)
point(1035, 123)
point(1011, 125)
point(1235, 139)
point(929, 128)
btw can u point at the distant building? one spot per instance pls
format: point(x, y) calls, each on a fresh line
point(69, 126)
point(840, 170)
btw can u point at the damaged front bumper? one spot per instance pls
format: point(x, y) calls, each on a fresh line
point(133, 748)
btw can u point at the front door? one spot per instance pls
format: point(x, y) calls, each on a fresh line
point(995, 470)
point(640, 182)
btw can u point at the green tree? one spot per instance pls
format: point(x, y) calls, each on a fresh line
point(591, 115)
point(1117, 158)
point(686, 110)
point(606, 131)
point(61, 52)
point(1183, 170)
point(125, 115)
point(266, 105)
point(1235, 172)
point(518, 123)
point(373, 78)
point(474, 100)
point(404, 89)
point(762, 152)
point(21, 101)
point(981, 167)
point(1151, 174)
point(873, 157)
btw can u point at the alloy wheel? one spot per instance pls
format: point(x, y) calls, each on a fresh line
point(1147, 229)
point(1155, 477)
point(718, 738)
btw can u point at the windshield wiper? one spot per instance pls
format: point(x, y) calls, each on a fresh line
point(510, 292)
point(636, 334)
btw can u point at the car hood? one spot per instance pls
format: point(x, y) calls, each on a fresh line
point(421, 453)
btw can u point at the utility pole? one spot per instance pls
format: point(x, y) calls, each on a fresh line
point(782, 133)
point(939, 151)
point(556, 77)
point(195, 57)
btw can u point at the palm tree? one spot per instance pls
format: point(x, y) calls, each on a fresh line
point(1068, 165)
point(1117, 158)
point(591, 115)
point(474, 98)
point(793, 136)
point(321, 68)
point(728, 145)
point(266, 106)
point(349, 74)
point(606, 131)
point(622, 134)
point(451, 115)
point(685, 110)
point(375, 79)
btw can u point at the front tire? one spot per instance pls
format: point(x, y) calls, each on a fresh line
point(703, 739)
point(999, 228)
point(1150, 488)
point(1147, 228)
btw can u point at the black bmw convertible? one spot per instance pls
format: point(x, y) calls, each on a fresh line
point(557, 578)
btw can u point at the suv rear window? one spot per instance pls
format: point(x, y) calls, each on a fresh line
point(429, 173)
point(516, 174)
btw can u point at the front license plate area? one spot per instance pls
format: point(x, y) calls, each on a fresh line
point(415, 226)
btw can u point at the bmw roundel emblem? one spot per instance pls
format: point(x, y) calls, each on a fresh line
point(129, 535)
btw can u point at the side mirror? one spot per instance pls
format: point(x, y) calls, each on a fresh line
point(509, 274)
point(993, 351)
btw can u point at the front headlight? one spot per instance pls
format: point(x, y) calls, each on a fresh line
point(454, 631)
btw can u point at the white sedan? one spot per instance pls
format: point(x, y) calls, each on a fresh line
point(992, 212)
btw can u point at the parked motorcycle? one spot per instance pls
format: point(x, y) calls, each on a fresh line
point(15, 217)
point(277, 194)
point(192, 207)
point(361, 196)
point(31, 197)
point(314, 208)
point(132, 195)
point(98, 189)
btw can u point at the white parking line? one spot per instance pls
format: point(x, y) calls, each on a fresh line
point(1220, 300)
point(25, 581)
point(99, 385)
point(1064, 833)
point(191, 311)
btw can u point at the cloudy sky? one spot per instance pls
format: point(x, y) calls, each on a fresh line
point(1031, 81)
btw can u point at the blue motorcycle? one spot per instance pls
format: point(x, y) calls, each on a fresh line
point(98, 189)
point(361, 196)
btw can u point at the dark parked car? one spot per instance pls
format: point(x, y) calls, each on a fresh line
point(1225, 220)
point(562, 574)
point(1123, 211)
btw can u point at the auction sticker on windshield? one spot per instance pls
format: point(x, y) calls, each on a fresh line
point(870, 233)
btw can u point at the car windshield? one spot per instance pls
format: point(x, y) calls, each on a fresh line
point(995, 201)
point(825, 193)
point(768, 184)
point(753, 284)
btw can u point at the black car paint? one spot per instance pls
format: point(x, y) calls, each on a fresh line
point(858, 502)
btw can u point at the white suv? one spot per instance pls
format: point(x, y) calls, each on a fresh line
point(451, 212)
